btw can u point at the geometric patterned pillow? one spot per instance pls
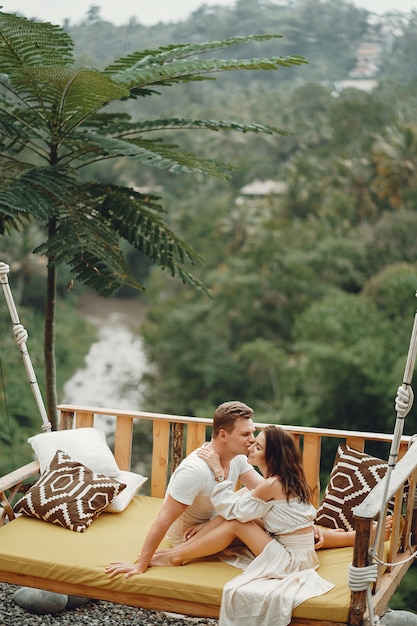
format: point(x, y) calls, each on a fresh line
point(69, 494)
point(353, 476)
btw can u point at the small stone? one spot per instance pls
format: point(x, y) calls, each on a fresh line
point(75, 601)
point(39, 601)
point(398, 618)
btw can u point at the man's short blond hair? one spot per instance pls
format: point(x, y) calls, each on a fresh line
point(226, 415)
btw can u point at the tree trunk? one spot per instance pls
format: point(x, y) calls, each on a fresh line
point(49, 340)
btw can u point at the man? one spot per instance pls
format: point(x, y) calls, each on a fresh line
point(187, 505)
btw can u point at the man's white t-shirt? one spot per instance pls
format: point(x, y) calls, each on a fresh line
point(192, 484)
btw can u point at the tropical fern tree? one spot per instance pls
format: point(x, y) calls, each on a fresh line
point(55, 119)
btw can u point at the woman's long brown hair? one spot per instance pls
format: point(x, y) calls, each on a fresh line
point(283, 459)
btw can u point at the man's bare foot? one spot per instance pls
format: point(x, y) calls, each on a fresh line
point(165, 558)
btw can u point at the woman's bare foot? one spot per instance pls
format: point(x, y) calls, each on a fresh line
point(388, 528)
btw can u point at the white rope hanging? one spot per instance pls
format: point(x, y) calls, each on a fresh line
point(21, 336)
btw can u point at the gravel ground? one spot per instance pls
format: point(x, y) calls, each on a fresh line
point(94, 613)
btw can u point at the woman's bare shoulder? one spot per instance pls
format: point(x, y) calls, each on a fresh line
point(269, 489)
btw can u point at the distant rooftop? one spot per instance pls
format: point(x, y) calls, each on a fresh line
point(264, 188)
point(365, 84)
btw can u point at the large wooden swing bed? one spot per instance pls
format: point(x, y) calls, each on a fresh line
point(35, 553)
point(38, 554)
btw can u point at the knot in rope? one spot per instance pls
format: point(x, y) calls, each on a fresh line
point(20, 334)
point(359, 578)
point(4, 269)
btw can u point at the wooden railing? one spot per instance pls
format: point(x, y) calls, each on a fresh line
point(175, 436)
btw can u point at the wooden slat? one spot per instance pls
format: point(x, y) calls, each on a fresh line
point(154, 603)
point(145, 601)
point(357, 443)
point(396, 525)
point(196, 436)
point(84, 419)
point(123, 442)
point(66, 420)
point(311, 463)
point(409, 534)
point(19, 475)
point(160, 458)
point(11, 483)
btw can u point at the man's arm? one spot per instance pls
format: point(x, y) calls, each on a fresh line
point(170, 511)
point(250, 479)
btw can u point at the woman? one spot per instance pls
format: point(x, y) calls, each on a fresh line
point(275, 521)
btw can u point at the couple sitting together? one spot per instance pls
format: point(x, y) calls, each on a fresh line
point(266, 528)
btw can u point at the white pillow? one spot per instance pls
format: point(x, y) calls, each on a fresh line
point(133, 483)
point(86, 445)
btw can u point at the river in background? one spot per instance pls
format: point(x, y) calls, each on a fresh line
point(115, 363)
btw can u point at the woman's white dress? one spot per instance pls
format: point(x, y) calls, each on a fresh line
point(283, 575)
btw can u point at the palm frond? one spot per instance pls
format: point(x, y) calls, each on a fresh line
point(10, 171)
point(133, 215)
point(95, 261)
point(121, 125)
point(212, 125)
point(88, 240)
point(138, 219)
point(65, 95)
point(108, 123)
point(183, 71)
point(165, 54)
point(150, 153)
point(14, 134)
point(36, 192)
point(27, 43)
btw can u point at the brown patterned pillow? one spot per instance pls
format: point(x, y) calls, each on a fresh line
point(69, 494)
point(353, 476)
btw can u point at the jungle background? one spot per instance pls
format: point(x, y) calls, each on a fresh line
point(309, 252)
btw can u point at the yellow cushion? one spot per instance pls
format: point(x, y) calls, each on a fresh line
point(33, 547)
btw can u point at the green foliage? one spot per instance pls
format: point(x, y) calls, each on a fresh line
point(405, 596)
point(312, 287)
point(58, 119)
point(325, 32)
point(52, 124)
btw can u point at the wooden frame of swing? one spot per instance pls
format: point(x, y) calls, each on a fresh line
point(175, 436)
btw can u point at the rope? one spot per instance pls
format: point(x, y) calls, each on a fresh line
point(403, 562)
point(21, 336)
point(359, 578)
